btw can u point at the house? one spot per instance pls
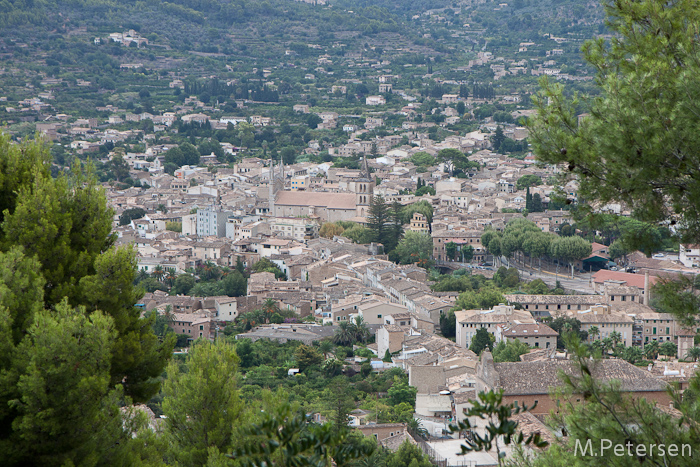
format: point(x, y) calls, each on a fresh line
point(689, 255)
point(533, 382)
point(461, 238)
point(419, 223)
point(607, 322)
point(469, 321)
point(375, 100)
point(389, 337)
point(377, 313)
point(539, 336)
point(193, 325)
point(544, 306)
point(450, 98)
point(660, 327)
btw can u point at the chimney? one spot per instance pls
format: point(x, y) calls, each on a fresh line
point(646, 288)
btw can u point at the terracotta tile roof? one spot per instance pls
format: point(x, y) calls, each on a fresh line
point(328, 200)
point(635, 280)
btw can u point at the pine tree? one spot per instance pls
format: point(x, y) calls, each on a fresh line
point(202, 403)
point(378, 218)
point(72, 344)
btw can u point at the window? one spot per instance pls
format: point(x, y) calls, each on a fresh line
point(379, 316)
point(653, 331)
point(201, 328)
point(668, 331)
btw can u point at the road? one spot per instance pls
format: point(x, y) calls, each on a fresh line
point(580, 283)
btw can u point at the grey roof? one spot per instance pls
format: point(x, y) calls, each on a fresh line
point(539, 377)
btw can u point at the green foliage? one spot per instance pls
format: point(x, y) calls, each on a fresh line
point(401, 392)
point(384, 221)
point(287, 438)
point(484, 299)
point(66, 224)
point(507, 277)
point(408, 455)
point(265, 265)
point(351, 332)
point(307, 356)
point(497, 139)
point(131, 214)
point(501, 431)
point(537, 287)
point(416, 248)
point(424, 207)
point(330, 230)
point(359, 234)
point(422, 159)
point(566, 326)
point(174, 226)
point(668, 348)
point(481, 341)
point(509, 351)
point(448, 324)
point(452, 158)
point(640, 118)
point(55, 387)
point(425, 190)
point(202, 404)
point(608, 414)
point(387, 357)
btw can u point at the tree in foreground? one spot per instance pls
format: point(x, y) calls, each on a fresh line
point(607, 416)
point(73, 345)
point(202, 404)
point(500, 430)
point(287, 438)
point(637, 141)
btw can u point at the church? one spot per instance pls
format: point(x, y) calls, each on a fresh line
point(327, 207)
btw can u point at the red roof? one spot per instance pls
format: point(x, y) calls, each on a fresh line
point(634, 280)
point(598, 246)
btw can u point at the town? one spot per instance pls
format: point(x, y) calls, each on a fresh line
point(362, 215)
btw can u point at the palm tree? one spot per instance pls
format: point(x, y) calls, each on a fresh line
point(359, 329)
point(593, 331)
point(325, 347)
point(269, 308)
point(616, 338)
point(344, 335)
point(170, 277)
point(651, 350)
point(415, 427)
point(158, 272)
point(608, 345)
point(693, 353)
point(597, 346)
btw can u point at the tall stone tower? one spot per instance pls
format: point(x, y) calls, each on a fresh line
point(364, 190)
point(276, 185)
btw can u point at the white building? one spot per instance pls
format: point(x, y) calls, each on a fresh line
point(211, 221)
point(470, 321)
point(375, 100)
point(689, 255)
